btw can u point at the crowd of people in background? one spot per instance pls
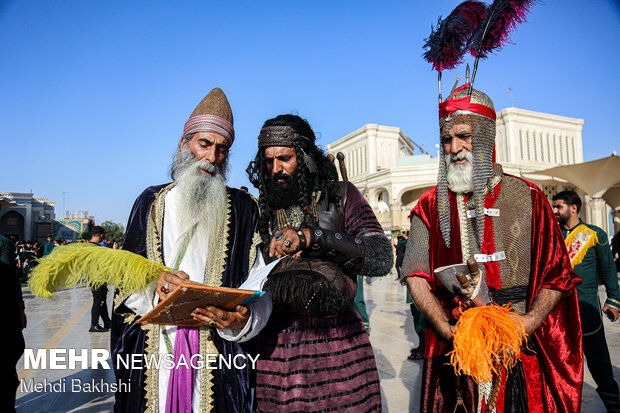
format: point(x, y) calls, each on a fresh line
point(27, 252)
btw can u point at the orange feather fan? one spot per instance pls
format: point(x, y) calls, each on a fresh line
point(484, 335)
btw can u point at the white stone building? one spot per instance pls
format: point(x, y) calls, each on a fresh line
point(393, 172)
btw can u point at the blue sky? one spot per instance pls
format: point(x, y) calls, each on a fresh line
point(94, 94)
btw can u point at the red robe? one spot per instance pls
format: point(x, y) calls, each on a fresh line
point(559, 355)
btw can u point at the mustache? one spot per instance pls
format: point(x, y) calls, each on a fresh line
point(281, 175)
point(464, 154)
point(205, 166)
point(185, 161)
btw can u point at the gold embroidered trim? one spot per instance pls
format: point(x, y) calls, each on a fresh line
point(256, 239)
point(216, 263)
point(119, 299)
point(129, 317)
point(154, 251)
point(216, 257)
point(205, 375)
point(154, 225)
point(615, 304)
point(151, 381)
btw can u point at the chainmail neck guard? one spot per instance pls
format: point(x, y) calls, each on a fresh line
point(483, 142)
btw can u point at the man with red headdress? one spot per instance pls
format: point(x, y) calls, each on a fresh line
point(506, 224)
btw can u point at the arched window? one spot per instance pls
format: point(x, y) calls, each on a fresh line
point(383, 201)
point(12, 223)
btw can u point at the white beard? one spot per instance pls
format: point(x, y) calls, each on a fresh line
point(459, 176)
point(202, 195)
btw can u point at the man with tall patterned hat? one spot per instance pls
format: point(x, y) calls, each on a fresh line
point(315, 353)
point(503, 228)
point(206, 232)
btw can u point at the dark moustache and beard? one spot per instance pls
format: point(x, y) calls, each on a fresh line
point(202, 195)
point(283, 195)
point(562, 219)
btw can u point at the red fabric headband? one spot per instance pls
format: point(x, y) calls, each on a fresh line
point(450, 106)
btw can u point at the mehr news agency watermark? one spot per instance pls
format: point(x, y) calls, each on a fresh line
point(75, 359)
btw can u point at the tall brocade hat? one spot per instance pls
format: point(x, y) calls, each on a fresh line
point(213, 114)
point(478, 29)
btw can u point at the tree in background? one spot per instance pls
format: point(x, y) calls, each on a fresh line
point(113, 231)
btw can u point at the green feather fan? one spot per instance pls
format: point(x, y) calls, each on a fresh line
point(68, 265)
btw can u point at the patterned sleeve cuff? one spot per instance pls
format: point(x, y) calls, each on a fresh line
point(615, 304)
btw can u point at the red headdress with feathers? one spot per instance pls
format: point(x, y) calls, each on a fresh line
point(472, 27)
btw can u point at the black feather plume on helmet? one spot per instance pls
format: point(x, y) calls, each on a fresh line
point(448, 41)
point(494, 29)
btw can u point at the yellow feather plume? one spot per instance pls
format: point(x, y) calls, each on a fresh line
point(68, 265)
